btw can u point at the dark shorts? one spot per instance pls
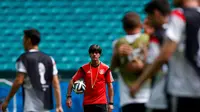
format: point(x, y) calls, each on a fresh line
point(157, 110)
point(136, 107)
point(95, 108)
point(184, 104)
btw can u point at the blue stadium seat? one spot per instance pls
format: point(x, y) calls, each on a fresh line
point(68, 28)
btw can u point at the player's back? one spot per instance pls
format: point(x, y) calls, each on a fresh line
point(136, 41)
point(37, 87)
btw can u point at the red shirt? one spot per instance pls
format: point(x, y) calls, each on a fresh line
point(97, 78)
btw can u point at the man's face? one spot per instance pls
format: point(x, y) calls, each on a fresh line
point(148, 29)
point(95, 56)
point(156, 19)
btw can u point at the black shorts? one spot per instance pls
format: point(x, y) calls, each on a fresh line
point(135, 107)
point(95, 108)
point(157, 110)
point(184, 104)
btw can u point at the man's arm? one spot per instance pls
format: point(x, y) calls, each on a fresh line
point(16, 84)
point(110, 92)
point(114, 60)
point(109, 80)
point(56, 86)
point(79, 74)
point(138, 65)
point(69, 90)
point(166, 51)
point(110, 95)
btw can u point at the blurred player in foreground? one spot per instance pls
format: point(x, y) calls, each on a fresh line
point(182, 50)
point(157, 9)
point(36, 72)
point(96, 75)
point(128, 60)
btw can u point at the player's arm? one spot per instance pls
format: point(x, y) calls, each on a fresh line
point(166, 51)
point(21, 72)
point(78, 75)
point(109, 80)
point(16, 85)
point(138, 65)
point(69, 90)
point(176, 27)
point(114, 59)
point(110, 92)
point(56, 86)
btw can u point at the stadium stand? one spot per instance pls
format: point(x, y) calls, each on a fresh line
point(68, 28)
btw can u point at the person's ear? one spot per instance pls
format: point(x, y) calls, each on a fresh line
point(28, 41)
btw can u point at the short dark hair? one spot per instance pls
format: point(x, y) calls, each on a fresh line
point(177, 3)
point(161, 5)
point(95, 48)
point(131, 20)
point(34, 35)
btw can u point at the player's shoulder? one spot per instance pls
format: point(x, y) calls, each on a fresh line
point(122, 38)
point(104, 65)
point(120, 41)
point(85, 65)
point(143, 37)
point(47, 56)
point(44, 54)
point(22, 56)
point(178, 13)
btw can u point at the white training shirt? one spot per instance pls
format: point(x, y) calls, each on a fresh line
point(183, 80)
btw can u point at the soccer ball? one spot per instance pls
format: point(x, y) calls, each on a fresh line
point(79, 87)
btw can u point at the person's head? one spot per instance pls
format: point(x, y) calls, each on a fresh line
point(186, 3)
point(157, 12)
point(148, 27)
point(131, 23)
point(95, 52)
point(31, 38)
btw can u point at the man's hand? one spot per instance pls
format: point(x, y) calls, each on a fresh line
point(59, 109)
point(69, 102)
point(110, 108)
point(134, 88)
point(4, 106)
point(124, 50)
